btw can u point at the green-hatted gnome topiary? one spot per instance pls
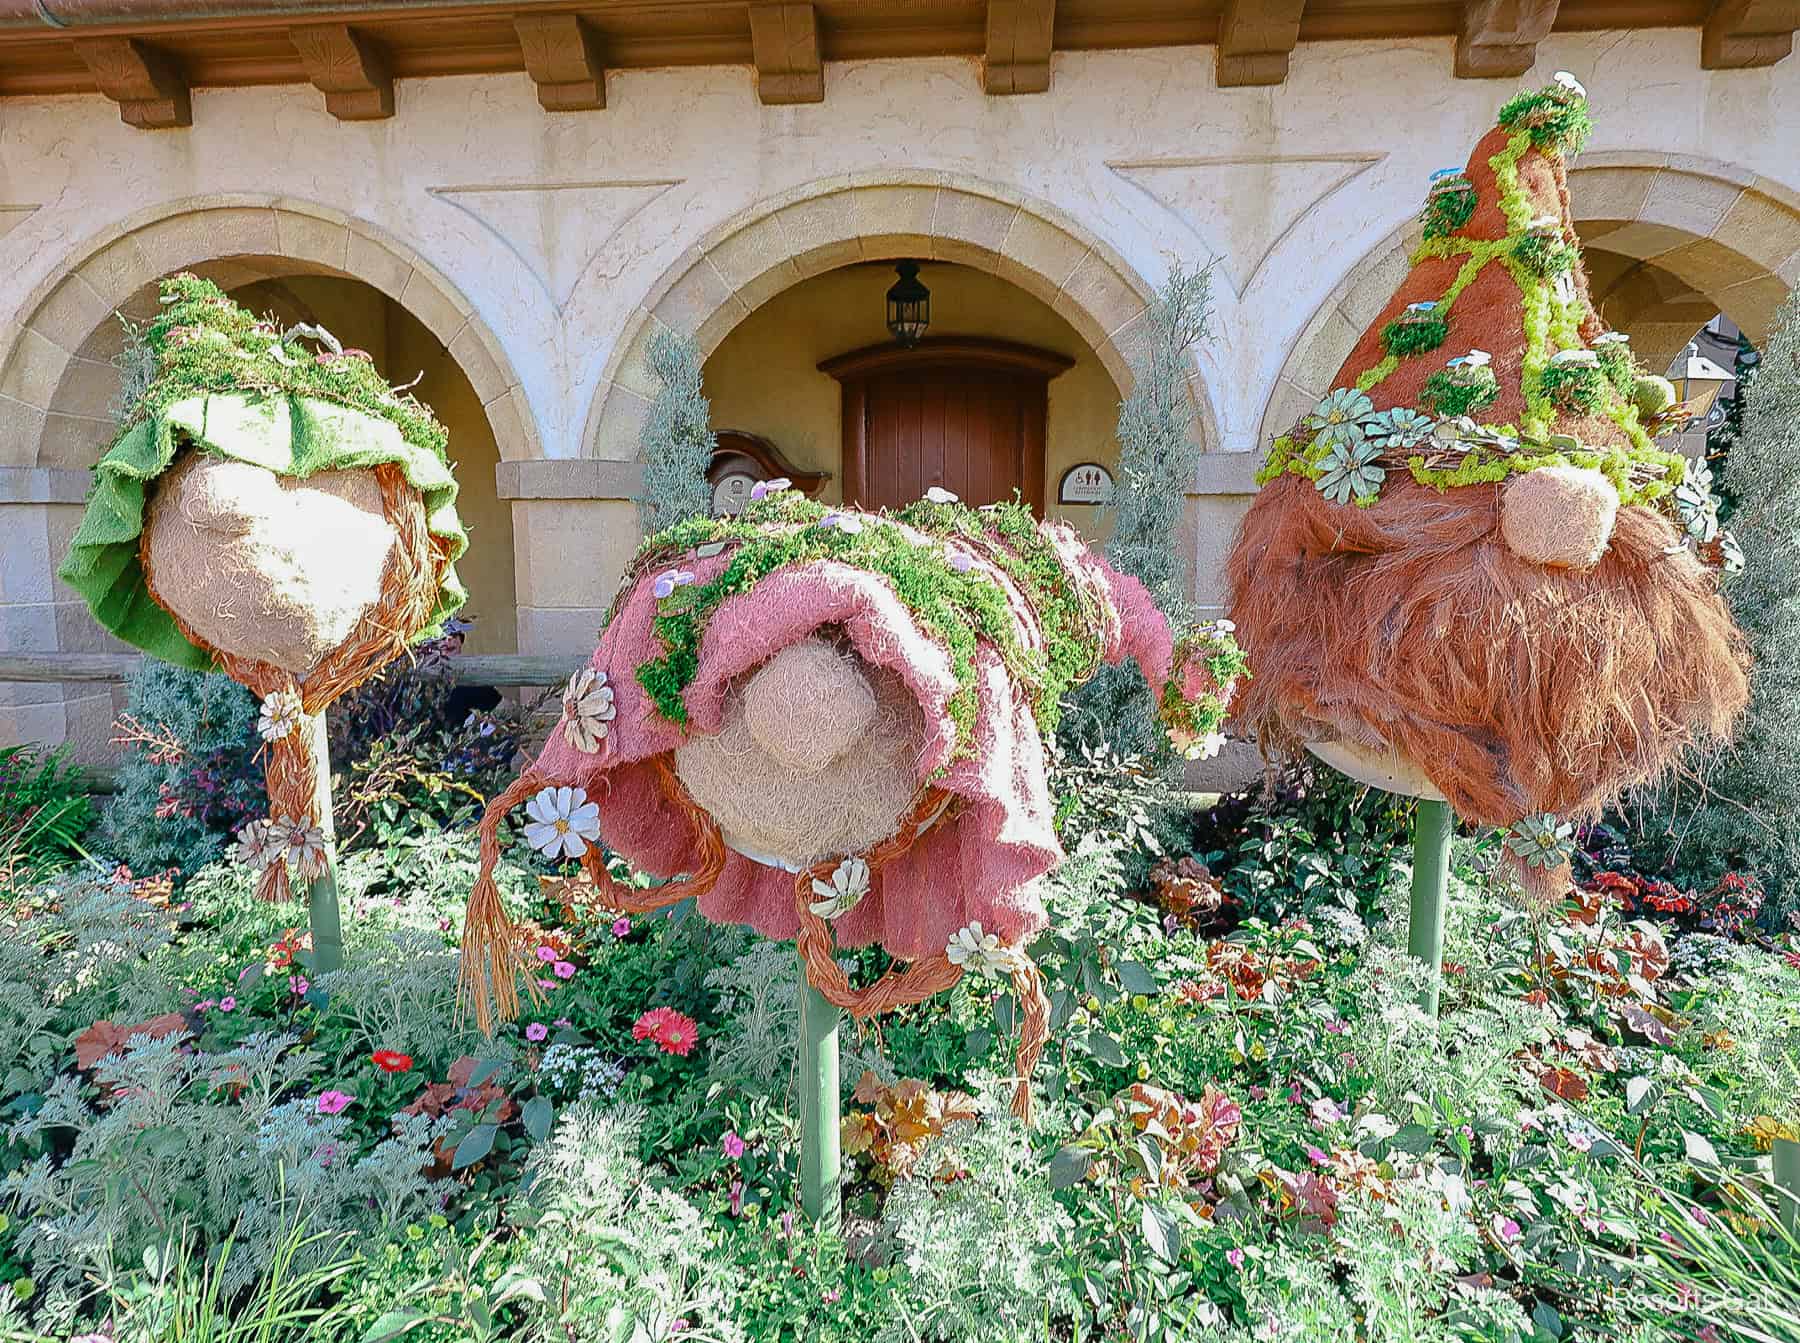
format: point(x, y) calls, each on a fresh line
point(272, 508)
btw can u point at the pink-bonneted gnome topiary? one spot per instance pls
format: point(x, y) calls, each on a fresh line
point(829, 725)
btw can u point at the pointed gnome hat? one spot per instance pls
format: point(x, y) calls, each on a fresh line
point(1466, 575)
point(967, 625)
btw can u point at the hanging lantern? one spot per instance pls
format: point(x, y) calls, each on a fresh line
point(908, 305)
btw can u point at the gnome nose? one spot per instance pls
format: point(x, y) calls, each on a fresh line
point(808, 705)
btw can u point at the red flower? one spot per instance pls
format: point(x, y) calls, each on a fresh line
point(673, 1032)
point(391, 1061)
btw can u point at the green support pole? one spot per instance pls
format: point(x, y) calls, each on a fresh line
point(1432, 827)
point(322, 898)
point(1787, 1182)
point(820, 1167)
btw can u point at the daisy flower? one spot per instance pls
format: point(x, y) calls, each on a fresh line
point(673, 1032)
point(980, 952)
point(281, 715)
point(587, 710)
point(848, 885)
point(562, 822)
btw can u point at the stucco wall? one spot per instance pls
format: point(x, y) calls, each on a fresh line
point(765, 378)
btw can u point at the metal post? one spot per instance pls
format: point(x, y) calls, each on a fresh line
point(820, 1167)
point(1432, 828)
point(322, 898)
point(1787, 1182)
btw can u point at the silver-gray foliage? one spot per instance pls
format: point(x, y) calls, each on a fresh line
point(1740, 809)
point(1158, 455)
point(676, 443)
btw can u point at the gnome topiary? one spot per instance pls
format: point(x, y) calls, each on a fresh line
point(1471, 574)
point(275, 512)
point(830, 725)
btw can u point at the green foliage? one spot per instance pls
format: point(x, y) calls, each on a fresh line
point(1449, 396)
point(44, 811)
point(1545, 254)
point(1739, 808)
point(759, 1003)
point(1652, 394)
point(190, 779)
point(1556, 118)
point(676, 444)
point(1413, 334)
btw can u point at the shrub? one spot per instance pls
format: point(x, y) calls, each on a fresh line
point(676, 444)
point(189, 780)
point(1447, 396)
point(1414, 334)
point(759, 1003)
point(1448, 208)
point(1580, 388)
point(1545, 254)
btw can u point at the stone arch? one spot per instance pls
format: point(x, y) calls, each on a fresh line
point(1670, 239)
point(56, 380)
point(777, 243)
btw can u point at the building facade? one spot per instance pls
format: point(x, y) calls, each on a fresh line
point(515, 235)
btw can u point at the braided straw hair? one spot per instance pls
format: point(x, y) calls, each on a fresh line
point(491, 954)
point(409, 587)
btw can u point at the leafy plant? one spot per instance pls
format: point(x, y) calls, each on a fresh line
point(676, 444)
point(44, 811)
point(1414, 333)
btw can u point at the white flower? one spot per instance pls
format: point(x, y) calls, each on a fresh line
point(1427, 305)
point(1375, 1126)
point(979, 952)
point(562, 822)
point(1473, 359)
point(587, 710)
point(667, 583)
point(1210, 745)
point(1612, 338)
point(939, 495)
point(1224, 626)
point(844, 522)
point(261, 843)
point(1574, 358)
point(1568, 81)
point(303, 847)
point(762, 489)
point(959, 559)
point(281, 714)
point(848, 885)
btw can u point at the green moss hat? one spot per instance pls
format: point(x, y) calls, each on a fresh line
point(224, 383)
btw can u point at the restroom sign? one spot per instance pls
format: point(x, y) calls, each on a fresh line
point(1086, 483)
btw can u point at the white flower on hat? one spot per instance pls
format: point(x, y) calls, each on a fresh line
point(762, 489)
point(1473, 359)
point(1574, 358)
point(587, 710)
point(980, 952)
point(562, 822)
point(282, 713)
point(938, 495)
point(843, 522)
point(667, 583)
point(848, 885)
point(1568, 81)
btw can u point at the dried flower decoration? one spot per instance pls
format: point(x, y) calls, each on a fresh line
point(562, 822)
point(587, 710)
point(848, 885)
point(281, 715)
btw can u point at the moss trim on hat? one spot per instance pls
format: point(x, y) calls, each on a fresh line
point(226, 384)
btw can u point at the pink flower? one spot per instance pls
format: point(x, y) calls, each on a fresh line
point(227, 1003)
point(546, 983)
point(1234, 1257)
point(830, 1295)
point(1315, 1156)
point(537, 1032)
point(334, 1102)
point(1258, 1093)
point(299, 985)
point(732, 1146)
point(621, 927)
point(563, 1023)
point(563, 970)
point(1337, 1026)
point(1581, 1142)
point(673, 1032)
point(1326, 1111)
point(1506, 1231)
point(546, 954)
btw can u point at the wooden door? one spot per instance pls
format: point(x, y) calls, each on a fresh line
point(964, 415)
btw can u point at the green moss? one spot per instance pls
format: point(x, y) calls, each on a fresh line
point(1574, 387)
point(1413, 334)
point(202, 342)
point(1447, 209)
point(1651, 394)
point(1620, 367)
point(1376, 373)
point(958, 611)
point(1445, 395)
point(1545, 255)
point(1556, 120)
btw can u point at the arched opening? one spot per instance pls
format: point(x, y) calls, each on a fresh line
point(802, 371)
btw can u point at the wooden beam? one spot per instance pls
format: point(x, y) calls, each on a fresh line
point(347, 68)
point(150, 90)
point(1498, 39)
point(562, 56)
point(497, 669)
point(1746, 34)
point(1019, 39)
point(1256, 37)
point(784, 42)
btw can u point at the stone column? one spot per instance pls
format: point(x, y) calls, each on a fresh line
point(575, 529)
